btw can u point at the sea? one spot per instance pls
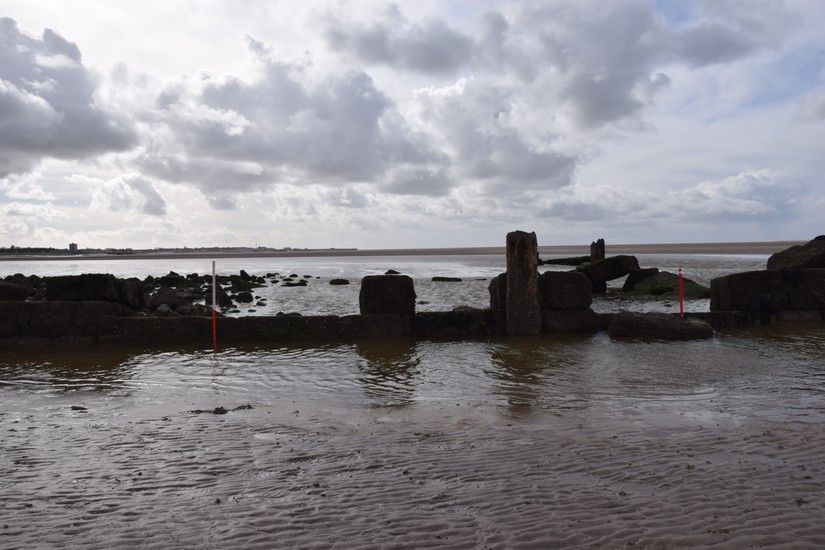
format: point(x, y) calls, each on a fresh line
point(558, 441)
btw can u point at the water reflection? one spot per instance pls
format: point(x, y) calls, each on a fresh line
point(388, 371)
point(54, 368)
point(517, 366)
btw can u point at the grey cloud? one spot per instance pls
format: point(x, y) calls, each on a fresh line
point(47, 104)
point(712, 43)
point(232, 134)
point(428, 47)
point(125, 193)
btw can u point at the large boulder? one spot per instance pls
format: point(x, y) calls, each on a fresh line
point(13, 292)
point(762, 293)
point(601, 271)
point(95, 287)
point(806, 256)
point(657, 326)
point(390, 294)
point(564, 290)
point(637, 276)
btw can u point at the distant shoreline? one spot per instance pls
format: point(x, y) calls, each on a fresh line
point(744, 248)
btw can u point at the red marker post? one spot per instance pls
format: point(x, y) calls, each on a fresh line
point(214, 311)
point(681, 295)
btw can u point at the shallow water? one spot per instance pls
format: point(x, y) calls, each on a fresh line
point(564, 441)
point(535, 442)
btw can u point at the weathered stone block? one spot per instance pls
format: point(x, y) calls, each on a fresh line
point(12, 292)
point(658, 326)
point(373, 326)
point(609, 269)
point(393, 294)
point(564, 290)
point(522, 307)
point(570, 320)
point(637, 276)
point(807, 256)
point(94, 287)
point(761, 293)
point(498, 292)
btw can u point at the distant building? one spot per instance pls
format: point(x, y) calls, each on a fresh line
point(72, 248)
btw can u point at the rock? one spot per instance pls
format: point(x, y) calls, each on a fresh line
point(763, 293)
point(597, 250)
point(13, 292)
point(391, 272)
point(245, 276)
point(244, 297)
point(637, 276)
point(446, 279)
point(173, 298)
point(79, 320)
point(665, 285)
point(564, 290)
point(570, 320)
point(659, 326)
point(223, 298)
point(339, 282)
point(806, 256)
point(498, 292)
point(290, 283)
point(392, 294)
point(94, 286)
point(172, 279)
point(522, 306)
point(601, 271)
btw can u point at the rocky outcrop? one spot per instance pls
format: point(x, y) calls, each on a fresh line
point(95, 287)
point(807, 256)
point(602, 271)
point(387, 294)
point(498, 292)
point(564, 290)
point(658, 326)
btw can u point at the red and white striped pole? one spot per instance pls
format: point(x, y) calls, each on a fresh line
point(681, 295)
point(214, 310)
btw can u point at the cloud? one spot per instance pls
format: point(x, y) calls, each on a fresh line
point(286, 126)
point(429, 46)
point(812, 107)
point(47, 104)
point(20, 219)
point(130, 192)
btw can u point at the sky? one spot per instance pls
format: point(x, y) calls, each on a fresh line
point(424, 124)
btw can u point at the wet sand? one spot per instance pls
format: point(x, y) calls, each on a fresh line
point(302, 477)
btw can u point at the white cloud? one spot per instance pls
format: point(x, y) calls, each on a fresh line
point(413, 121)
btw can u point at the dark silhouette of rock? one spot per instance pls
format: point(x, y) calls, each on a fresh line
point(523, 311)
point(291, 283)
point(637, 276)
point(570, 320)
point(806, 256)
point(94, 286)
point(498, 292)
point(90, 321)
point(761, 294)
point(13, 292)
point(601, 271)
point(244, 297)
point(391, 294)
point(597, 250)
point(339, 282)
point(438, 279)
point(658, 326)
point(223, 298)
point(564, 290)
point(391, 272)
